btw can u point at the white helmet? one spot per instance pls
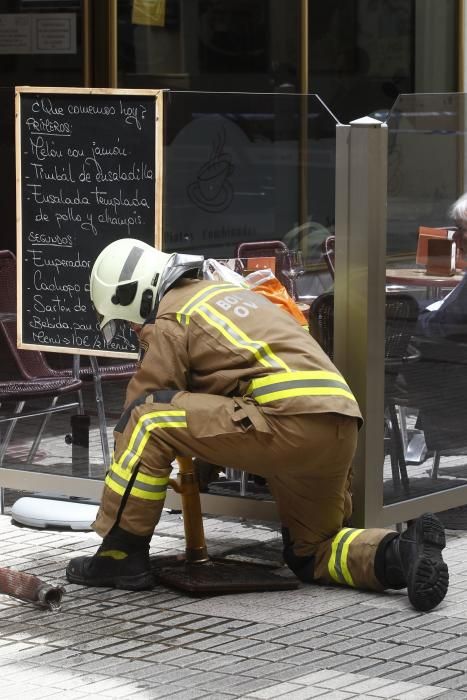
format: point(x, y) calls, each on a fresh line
point(130, 277)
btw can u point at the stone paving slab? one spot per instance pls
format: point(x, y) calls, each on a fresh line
point(314, 642)
point(326, 642)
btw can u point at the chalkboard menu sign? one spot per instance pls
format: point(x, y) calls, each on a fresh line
point(89, 170)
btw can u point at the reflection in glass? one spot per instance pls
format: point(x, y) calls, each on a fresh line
point(292, 269)
point(41, 43)
point(233, 175)
point(426, 436)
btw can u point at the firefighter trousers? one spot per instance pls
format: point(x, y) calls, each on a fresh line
point(305, 458)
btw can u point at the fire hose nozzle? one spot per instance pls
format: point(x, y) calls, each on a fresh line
point(27, 587)
point(50, 597)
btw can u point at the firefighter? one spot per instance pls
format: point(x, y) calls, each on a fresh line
point(225, 376)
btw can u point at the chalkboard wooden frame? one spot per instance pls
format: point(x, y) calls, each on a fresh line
point(51, 115)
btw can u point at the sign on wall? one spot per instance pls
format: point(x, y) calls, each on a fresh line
point(34, 33)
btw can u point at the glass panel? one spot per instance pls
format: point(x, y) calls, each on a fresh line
point(56, 453)
point(426, 346)
point(41, 43)
point(247, 167)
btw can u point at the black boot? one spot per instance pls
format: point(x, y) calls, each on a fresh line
point(414, 559)
point(122, 561)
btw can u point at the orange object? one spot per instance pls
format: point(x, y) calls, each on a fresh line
point(441, 257)
point(252, 264)
point(427, 233)
point(273, 290)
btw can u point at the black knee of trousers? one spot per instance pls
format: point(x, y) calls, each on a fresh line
point(125, 417)
point(303, 567)
point(160, 396)
point(164, 395)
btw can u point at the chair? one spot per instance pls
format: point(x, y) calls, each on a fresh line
point(20, 369)
point(401, 316)
point(328, 251)
point(29, 381)
point(33, 364)
point(276, 249)
point(437, 386)
point(321, 322)
point(21, 390)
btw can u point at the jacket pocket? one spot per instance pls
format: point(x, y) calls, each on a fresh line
point(211, 416)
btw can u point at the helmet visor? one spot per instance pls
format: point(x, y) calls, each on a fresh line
point(107, 328)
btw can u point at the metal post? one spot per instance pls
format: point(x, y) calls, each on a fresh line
point(192, 517)
point(86, 29)
point(303, 136)
point(38, 438)
point(76, 371)
point(100, 410)
point(361, 191)
point(80, 444)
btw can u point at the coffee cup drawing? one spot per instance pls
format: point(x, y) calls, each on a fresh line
point(212, 190)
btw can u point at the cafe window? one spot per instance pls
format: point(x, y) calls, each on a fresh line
point(41, 42)
point(219, 45)
point(363, 54)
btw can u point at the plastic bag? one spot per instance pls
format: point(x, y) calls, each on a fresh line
point(220, 272)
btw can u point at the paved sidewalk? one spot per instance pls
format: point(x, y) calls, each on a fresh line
point(326, 642)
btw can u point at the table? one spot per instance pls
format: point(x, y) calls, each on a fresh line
point(417, 277)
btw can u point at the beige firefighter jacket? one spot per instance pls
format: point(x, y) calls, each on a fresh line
point(217, 338)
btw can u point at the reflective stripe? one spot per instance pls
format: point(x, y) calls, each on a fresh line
point(113, 554)
point(146, 487)
point(239, 338)
point(183, 316)
point(149, 488)
point(130, 264)
point(142, 431)
point(285, 385)
point(235, 335)
point(337, 566)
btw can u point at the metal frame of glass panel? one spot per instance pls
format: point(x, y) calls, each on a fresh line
point(361, 219)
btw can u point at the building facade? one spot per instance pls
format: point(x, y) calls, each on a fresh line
point(357, 56)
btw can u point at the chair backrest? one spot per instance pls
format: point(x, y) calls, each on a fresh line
point(401, 317)
point(328, 253)
point(7, 281)
point(321, 322)
point(29, 364)
point(254, 249)
point(276, 249)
